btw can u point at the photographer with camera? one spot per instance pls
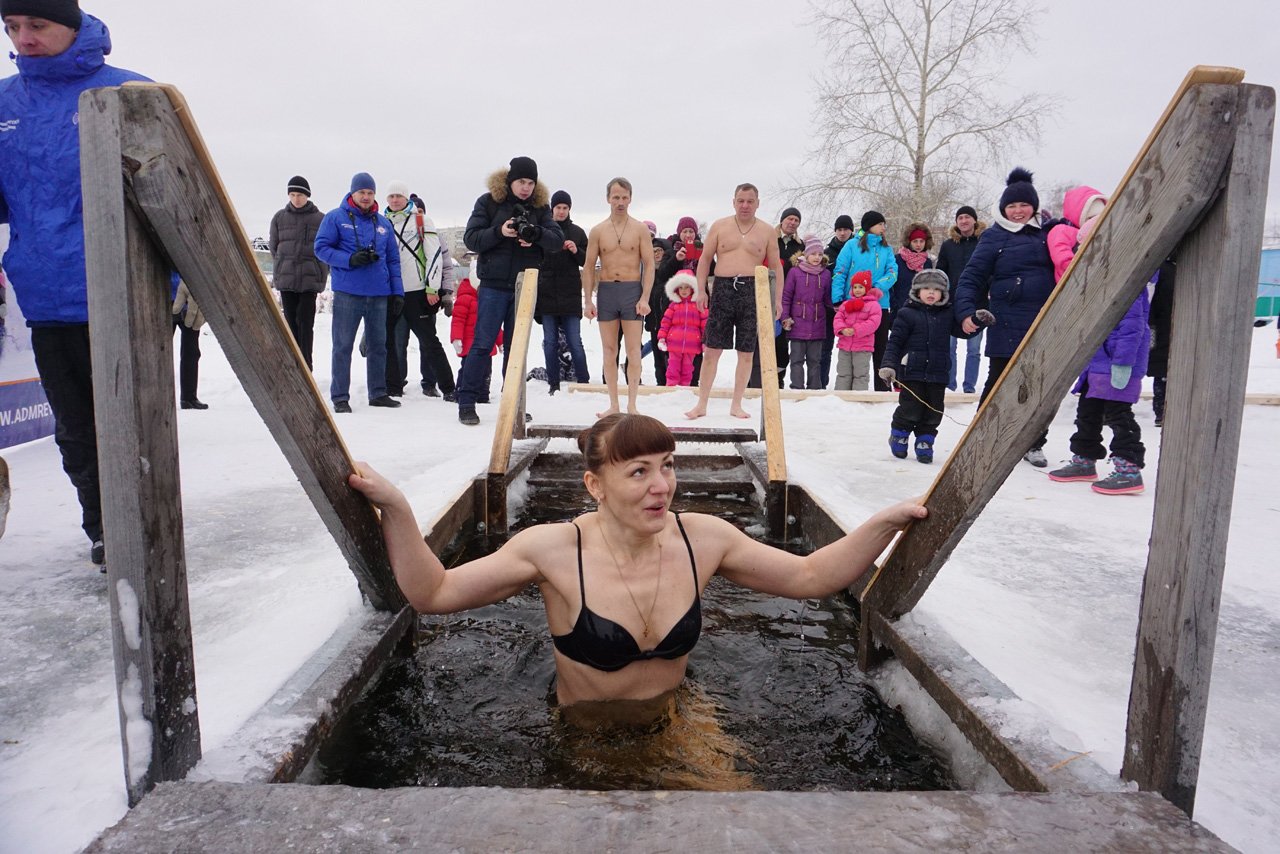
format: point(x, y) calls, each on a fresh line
point(359, 245)
point(510, 229)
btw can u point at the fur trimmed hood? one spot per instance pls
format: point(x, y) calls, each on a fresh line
point(500, 189)
point(921, 226)
point(978, 227)
point(684, 277)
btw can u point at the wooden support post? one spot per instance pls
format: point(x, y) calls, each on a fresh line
point(1165, 192)
point(132, 352)
point(512, 406)
point(182, 200)
point(1209, 362)
point(775, 497)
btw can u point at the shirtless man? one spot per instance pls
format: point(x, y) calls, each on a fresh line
point(739, 243)
point(625, 249)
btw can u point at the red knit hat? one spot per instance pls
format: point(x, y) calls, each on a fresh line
point(862, 277)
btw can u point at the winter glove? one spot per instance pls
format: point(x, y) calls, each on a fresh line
point(362, 258)
point(1120, 375)
point(457, 347)
point(395, 305)
point(183, 304)
point(446, 303)
point(889, 375)
point(983, 318)
point(662, 344)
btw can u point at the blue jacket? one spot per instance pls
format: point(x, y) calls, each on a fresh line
point(919, 347)
point(1011, 274)
point(346, 229)
point(878, 259)
point(40, 174)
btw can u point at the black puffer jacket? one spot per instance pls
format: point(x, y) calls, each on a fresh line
point(658, 300)
point(503, 258)
point(560, 276)
point(292, 244)
point(919, 345)
point(955, 252)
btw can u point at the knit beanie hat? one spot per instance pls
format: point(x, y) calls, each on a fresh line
point(844, 221)
point(871, 219)
point(65, 12)
point(966, 209)
point(790, 212)
point(560, 197)
point(931, 278)
point(918, 234)
point(1018, 188)
point(363, 181)
point(812, 245)
point(686, 222)
point(862, 277)
point(398, 188)
point(652, 226)
point(298, 184)
point(522, 167)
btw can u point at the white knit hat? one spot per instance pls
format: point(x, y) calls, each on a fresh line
point(398, 188)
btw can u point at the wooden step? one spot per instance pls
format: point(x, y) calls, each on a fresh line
point(682, 434)
point(195, 817)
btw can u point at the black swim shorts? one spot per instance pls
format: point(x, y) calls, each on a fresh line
point(733, 307)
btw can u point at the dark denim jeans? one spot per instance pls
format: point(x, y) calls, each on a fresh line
point(348, 311)
point(495, 310)
point(572, 327)
point(972, 361)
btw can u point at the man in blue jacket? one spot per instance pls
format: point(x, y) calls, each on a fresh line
point(60, 53)
point(359, 245)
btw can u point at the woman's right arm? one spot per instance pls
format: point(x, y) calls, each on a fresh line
point(420, 574)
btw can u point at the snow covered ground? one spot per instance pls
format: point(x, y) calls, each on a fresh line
point(1043, 591)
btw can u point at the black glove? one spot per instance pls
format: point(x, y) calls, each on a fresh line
point(362, 258)
point(395, 305)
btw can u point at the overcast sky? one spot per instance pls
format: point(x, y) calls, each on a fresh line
point(686, 100)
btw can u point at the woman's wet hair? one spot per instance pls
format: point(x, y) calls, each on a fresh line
point(617, 438)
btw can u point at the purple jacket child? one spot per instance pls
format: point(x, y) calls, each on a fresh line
point(1126, 346)
point(806, 300)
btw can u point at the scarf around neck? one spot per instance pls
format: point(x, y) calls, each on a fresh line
point(915, 260)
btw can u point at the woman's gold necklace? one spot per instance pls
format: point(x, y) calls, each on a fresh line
point(643, 619)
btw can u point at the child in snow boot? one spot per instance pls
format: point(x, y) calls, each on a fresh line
point(918, 359)
point(680, 334)
point(1112, 382)
point(806, 298)
point(855, 327)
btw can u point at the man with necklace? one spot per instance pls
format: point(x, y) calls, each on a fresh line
point(739, 244)
point(624, 248)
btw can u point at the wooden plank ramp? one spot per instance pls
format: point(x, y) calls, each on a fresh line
point(196, 817)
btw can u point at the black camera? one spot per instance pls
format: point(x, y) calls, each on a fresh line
point(525, 223)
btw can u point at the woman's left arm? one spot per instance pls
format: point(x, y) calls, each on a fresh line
point(834, 567)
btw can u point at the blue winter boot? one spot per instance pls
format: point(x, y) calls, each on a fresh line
point(898, 440)
point(1125, 479)
point(924, 448)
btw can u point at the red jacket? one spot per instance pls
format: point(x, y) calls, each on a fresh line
point(463, 327)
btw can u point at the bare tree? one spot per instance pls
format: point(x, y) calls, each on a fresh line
point(910, 114)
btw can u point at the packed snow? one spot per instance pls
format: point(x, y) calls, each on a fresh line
point(1043, 590)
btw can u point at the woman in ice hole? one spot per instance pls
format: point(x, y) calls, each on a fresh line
point(623, 585)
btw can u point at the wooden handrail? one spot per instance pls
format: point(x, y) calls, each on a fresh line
point(771, 408)
point(510, 423)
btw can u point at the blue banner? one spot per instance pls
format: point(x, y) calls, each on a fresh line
point(24, 411)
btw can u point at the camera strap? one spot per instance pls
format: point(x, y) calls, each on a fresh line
point(355, 228)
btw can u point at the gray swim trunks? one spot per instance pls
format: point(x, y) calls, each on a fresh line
point(617, 300)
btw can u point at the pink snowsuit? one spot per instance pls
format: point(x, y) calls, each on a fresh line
point(681, 330)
